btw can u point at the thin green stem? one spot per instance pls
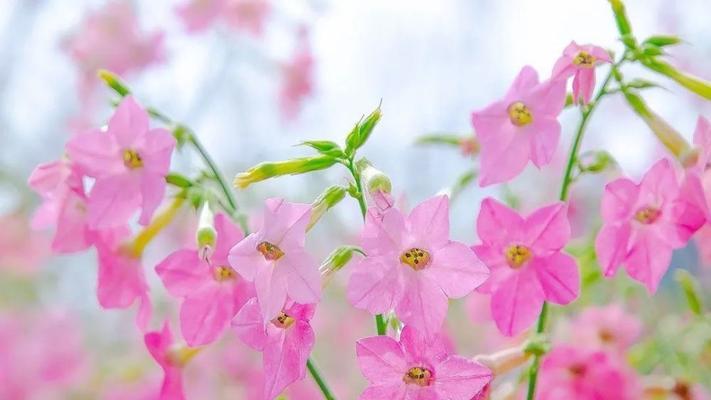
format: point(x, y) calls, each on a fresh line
point(564, 191)
point(327, 394)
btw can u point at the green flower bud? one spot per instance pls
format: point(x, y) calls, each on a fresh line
point(595, 161)
point(206, 235)
point(113, 81)
point(294, 166)
point(361, 132)
point(690, 82)
point(338, 259)
point(662, 40)
point(373, 179)
point(327, 200)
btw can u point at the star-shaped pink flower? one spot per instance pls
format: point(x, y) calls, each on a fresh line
point(415, 368)
point(580, 61)
point(526, 260)
point(274, 258)
point(645, 222)
point(211, 290)
point(522, 126)
point(412, 266)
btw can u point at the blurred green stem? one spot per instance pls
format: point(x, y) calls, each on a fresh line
point(327, 394)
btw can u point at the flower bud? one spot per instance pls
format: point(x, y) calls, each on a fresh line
point(113, 81)
point(595, 161)
point(690, 82)
point(662, 40)
point(329, 198)
point(206, 234)
point(361, 132)
point(337, 260)
point(373, 179)
point(267, 170)
point(623, 23)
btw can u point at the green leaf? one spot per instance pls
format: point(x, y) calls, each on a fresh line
point(641, 84)
point(178, 180)
point(362, 131)
point(662, 40)
point(445, 139)
point(112, 80)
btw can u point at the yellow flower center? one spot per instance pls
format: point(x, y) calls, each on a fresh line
point(179, 356)
point(283, 321)
point(418, 376)
point(577, 370)
point(584, 59)
point(270, 251)
point(415, 258)
point(517, 255)
point(223, 273)
point(131, 159)
point(647, 215)
point(606, 336)
point(520, 114)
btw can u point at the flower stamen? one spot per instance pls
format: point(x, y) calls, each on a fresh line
point(520, 114)
point(418, 376)
point(223, 273)
point(647, 215)
point(517, 255)
point(415, 258)
point(584, 59)
point(271, 252)
point(131, 159)
point(283, 320)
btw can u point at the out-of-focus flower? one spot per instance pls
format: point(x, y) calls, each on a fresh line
point(172, 359)
point(412, 266)
point(110, 38)
point(702, 141)
point(526, 260)
point(211, 290)
point(22, 250)
point(577, 373)
point(296, 78)
point(415, 368)
point(580, 61)
point(274, 258)
point(245, 15)
point(129, 161)
point(285, 342)
point(521, 127)
point(644, 222)
point(609, 327)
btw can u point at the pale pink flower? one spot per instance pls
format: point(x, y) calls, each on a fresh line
point(274, 258)
point(609, 328)
point(162, 347)
point(580, 61)
point(577, 373)
point(22, 250)
point(522, 126)
point(285, 342)
point(198, 15)
point(526, 260)
point(702, 141)
point(211, 290)
point(247, 15)
point(645, 222)
point(297, 82)
point(415, 368)
point(129, 161)
point(412, 266)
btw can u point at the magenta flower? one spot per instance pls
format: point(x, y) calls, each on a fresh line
point(274, 258)
point(171, 359)
point(526, 260)
point(609, 327)
point(582, 374)
point(211, 290)
point(521, 127)
point(412, 266)
point(285, 342)
point(580, 61)
point(645, 222)
point(129, 161)
point(415, 368)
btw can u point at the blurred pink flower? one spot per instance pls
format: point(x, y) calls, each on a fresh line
point(412, 266)
point(415, 368)
point(521, 127)
point(577, 373)
point(129, 161)
point(22, 250)
point(110, 38)
point(211, 290)
point(608, 328)
point(297, 81)
point(244, 15)
point(162, 348)
point(285, 342)
point(526, 260)
point(274, 258)
point(644, 222)
point(702, 141)
point(199, 14)
point(580, 61)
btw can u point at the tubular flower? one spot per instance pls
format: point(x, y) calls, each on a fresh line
point(580, 61)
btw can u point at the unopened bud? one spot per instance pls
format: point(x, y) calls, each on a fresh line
point(206, 235)
point(337, 260)
point(329, 198)
point(294, 166)
point(113, 81)
point(662, 40)
point(373, 179)
point(361, 131)
point(690, 82)
point(596, 161)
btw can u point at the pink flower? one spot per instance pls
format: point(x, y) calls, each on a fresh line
point(412, 266)
point(171, 359)
point(22, 250)
point(129, 161)
point(247, 15)
point(64, 205)
point(580, 61)
point(520, 127)
point(415, 368)
point(285, 342)
point(199, 14)
point(211, 290)
point(583, 374)
point(609, 327)
point(274, 258)
point(644, 222)
point(297, 79)
point(526, 260)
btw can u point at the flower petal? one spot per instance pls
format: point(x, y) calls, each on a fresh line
point(375, 285)
point(382, 233)
point(128, 122)
point(270, 287)
point(381, 360)
point(548, 228)
point(423, 304)
point(611, 246)
point(619, 200)
point(559, 277)
point(285, 361)
point(648, 260)
point(545, 134)
point(457, 270)
point(517, 302)
point(285, 223)
point(498, 224)
point(302, 277)
point(526, 79)
point(152, 191)
point(249, 326)
point(206, 314)
point(112, 201)
point(183, 273)
point(429, 221)
point(459, 378)
point(245, 259)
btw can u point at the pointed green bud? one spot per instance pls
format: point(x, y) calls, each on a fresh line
point(623, 23)
point(691, 291)
point(326, 147)
point(662, 40)
point(373, 179)
point(361, 132)
point(641, 84)
point(178, 180)
point(596, 161)
point(267, 170)
point(113, 81)
point(327, 200)
point(338, 259)
point(445, 139)
point(538, 345)
point(690, 82)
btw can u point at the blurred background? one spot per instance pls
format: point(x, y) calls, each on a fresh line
point(253, 78)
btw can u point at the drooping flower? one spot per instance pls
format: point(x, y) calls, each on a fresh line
point(580, 61)
point(211, 290)
point(274, 258)
point(522, 126)
point(526, 260)
point(645, 222)
point(416, 368)
point(129, 162)
point(570, 372)
point(285, 342)
point(608, 328)
point(413, 266)
point(172, 358)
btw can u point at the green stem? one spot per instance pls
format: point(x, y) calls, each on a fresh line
point(327, 394)
point(564, 191)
